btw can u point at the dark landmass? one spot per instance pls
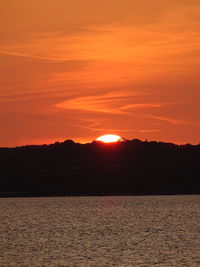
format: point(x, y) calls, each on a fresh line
point(123, 168)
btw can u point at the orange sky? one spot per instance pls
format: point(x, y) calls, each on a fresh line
point(79, 69)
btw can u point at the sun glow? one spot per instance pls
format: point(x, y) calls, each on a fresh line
point(109, 138)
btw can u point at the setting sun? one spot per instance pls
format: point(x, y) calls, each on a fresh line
point(109, 138)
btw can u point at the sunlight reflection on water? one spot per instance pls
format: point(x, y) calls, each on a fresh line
point(100, 231)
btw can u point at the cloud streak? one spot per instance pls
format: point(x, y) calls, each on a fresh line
point(172, 120)
point(112, 103)
point(115, 103)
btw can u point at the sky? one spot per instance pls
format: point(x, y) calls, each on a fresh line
point(80, 69)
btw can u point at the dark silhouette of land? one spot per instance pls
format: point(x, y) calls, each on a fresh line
point(123, 168)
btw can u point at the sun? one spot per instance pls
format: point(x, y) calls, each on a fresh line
point(109, 138)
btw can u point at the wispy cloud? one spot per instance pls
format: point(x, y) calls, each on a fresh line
point(119, 103)
point(115, 42)
point(103, 129)
point(113, 103)
point(172, 120)
point(13, 51)
point(142, 105)
point(150, 131)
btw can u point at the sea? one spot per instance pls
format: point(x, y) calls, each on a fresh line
point(101, 231)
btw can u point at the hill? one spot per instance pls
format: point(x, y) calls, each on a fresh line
point(130, 167)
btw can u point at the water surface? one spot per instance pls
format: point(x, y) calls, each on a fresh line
point(100, 231)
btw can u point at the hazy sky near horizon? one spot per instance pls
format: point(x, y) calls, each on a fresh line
point(79, 69)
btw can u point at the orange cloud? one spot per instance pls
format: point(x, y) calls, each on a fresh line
point(102, 129)
point(113, 103)
point(173, 121)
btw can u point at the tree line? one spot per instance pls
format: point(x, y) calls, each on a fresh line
point(131, 167)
